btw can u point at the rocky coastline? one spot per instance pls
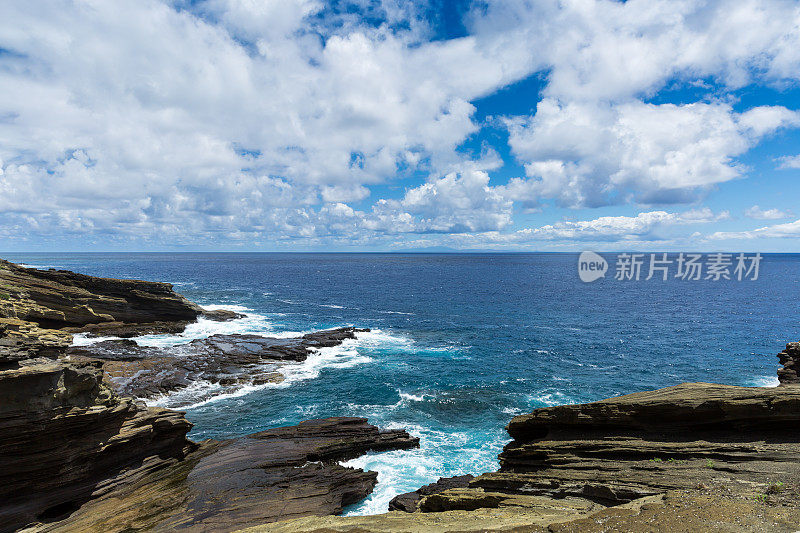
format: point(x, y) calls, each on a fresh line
point(78, 453)
point(693, 457)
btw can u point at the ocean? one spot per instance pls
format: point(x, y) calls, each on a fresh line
point(459, 343)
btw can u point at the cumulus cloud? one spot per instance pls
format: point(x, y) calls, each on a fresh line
point(607, 50)
point(594, 141)
point(765, 214)
point(106, 104)
point(243, 121)
point(456, 203)
point(594, 154)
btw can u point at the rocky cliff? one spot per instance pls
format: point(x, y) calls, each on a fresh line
point(58, 299)
point(63, 433)
point(77, 456)
point(227, 485)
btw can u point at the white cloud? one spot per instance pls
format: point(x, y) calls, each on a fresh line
point(243, 120)
point(594, 154)
point(789, 230)
point(789, 162)
point(649, 225)
point(456, 203)
point(607, 50)
point(644, 230)
point(765, 214)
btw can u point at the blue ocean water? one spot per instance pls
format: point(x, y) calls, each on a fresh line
point(462, 342)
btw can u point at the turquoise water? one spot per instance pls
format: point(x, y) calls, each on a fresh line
point(461, 343)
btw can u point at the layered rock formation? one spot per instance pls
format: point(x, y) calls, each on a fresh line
point(227, 485)
point(63, 432)
point(76, 456)
point(26, 340)
point(695, 436)
point(57, 299)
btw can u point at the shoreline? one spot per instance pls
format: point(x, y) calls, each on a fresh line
point(135, 471)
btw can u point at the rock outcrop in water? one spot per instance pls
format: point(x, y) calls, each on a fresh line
point(76, 456)
point(408, 502)
point(230, 361)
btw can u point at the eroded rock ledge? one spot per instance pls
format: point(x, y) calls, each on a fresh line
point(77, 456)
point(576, 464)
point(63, 433)
point(58, 299)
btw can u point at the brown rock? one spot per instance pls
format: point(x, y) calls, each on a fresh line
point(790, 359)
point(408, 502)
point(273, 475)
point(127, 330)
point(24, 340)
point(736, 440)
point(62, 433)
point(59, 299)
point(221, 315)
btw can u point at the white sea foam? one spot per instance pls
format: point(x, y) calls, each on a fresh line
point(226, 307)
point(346, 355)
point(252, 323)
point(401, 471)
point(765, 381)
point(80, 339)
point(411, 397)
point(385, 339)
point(549, 398)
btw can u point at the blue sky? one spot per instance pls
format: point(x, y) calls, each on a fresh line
point(388, 125)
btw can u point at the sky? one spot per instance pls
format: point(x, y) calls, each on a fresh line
point(388, 125)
